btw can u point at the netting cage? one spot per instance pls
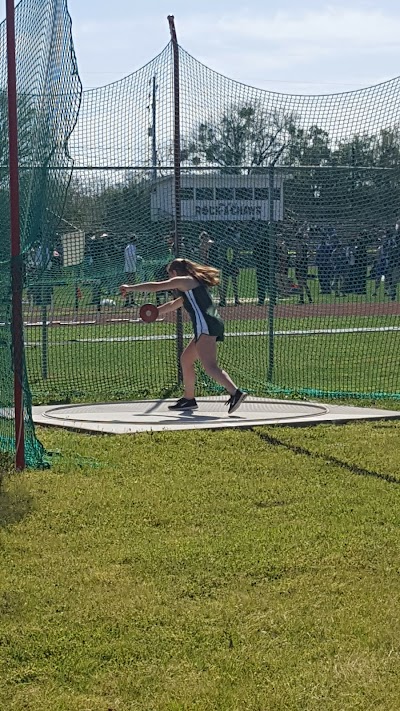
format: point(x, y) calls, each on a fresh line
point(295, 199)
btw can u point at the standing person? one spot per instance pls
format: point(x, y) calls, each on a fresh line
point(350, 275)
point(192, 281)
point(228, 257)
point(379, 267)
point(97, 262)
point(301, 270)
point(393, 267)
point(361, 264)
point(324, 265)
point(130, 267)
point(204, 247)
point(261, 263)
point(339, 264)
point(282, 268)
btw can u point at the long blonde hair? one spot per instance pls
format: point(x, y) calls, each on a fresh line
point(200, 272)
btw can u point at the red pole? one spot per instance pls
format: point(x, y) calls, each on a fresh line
point(16, 258)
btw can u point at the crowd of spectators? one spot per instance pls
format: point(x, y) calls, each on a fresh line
point(345, 266)
point(340, 265)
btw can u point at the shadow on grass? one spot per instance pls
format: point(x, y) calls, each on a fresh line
point(14, 505)
point(352, 468)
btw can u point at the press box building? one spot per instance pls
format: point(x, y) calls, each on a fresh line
point(212, 197)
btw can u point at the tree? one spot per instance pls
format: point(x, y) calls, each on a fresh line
point(42, 191)
point(245, 135)
point(307, 146)
point(26, 118)
point(26, 121)
point(119, 208)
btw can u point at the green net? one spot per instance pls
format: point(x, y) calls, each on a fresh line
point(48, 96)
point(293, 198)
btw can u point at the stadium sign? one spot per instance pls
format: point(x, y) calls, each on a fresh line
point(227, 211)
point(218, 198)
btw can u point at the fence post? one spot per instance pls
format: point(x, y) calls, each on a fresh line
point(271, 275)
point(177, 183)
point(15, 239)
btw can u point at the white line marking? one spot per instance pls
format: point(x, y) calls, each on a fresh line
point(311, 332)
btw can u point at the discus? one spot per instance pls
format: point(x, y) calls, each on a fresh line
point(148, 313)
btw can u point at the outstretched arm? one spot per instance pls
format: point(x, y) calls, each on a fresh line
point(182, 283)
point(170, 306)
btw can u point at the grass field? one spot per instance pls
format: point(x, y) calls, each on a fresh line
point(259, 573)
point(123, 360)
point(96, 361)
point(64, 295)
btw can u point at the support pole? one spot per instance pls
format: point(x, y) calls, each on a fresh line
point(153, 128)
point(273, 292)
point(16, 257)
point(271, 275)
point(177, 183)
point(45, 340)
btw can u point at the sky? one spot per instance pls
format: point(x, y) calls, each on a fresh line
point(294, 47)
point(310, 47)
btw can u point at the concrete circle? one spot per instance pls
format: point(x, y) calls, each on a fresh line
point(145, 415)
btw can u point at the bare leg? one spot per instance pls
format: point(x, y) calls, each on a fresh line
point(206, 348)
point(188, 359)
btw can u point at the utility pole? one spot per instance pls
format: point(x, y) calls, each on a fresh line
point(153, 128)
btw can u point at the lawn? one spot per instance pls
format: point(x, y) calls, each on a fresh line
point(64, 291)
point(83, 363)
point(257, 573)
point(120, 360)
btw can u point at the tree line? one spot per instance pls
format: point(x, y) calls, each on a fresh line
point(327, 179)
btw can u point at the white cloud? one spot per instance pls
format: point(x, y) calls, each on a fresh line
point(361, 28)
point(346, 47)
point(335, 48)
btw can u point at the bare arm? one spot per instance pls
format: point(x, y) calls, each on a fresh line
point(182, 283)
point(170, 306)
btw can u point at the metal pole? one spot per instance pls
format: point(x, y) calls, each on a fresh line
point(153, 130)
point(272, 264)
point(44, 339)
point(271, 275)
point(16, 257)
point(77, 270)
point(177, 182)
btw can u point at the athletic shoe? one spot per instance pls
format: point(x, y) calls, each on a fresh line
point(235, 401)
point(184, 404)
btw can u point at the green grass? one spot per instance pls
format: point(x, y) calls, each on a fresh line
point(64, 296)
point(257, 573)
point(58, 334)
point(342, 364)
point(339, 363)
